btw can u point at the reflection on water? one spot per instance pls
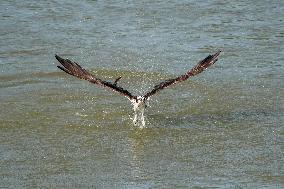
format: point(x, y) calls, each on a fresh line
point(221, 129)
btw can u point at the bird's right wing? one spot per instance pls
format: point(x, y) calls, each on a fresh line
point(76, 70)
point(200, 67)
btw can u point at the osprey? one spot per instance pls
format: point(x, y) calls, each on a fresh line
point(138, 102)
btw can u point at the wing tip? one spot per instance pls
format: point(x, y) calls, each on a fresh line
point(217, 53)
point(63, 69)
point(58, 58)
point(216, 56)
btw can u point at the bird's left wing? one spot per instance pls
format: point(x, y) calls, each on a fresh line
point(76, 70)
point(200, 67)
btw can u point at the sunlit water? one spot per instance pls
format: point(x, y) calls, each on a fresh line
point(221, 129)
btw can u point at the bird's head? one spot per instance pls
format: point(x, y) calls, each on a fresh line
point(139, 102)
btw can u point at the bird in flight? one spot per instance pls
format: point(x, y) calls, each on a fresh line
point(138, 102)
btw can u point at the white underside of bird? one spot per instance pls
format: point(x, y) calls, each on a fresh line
point(139, 106)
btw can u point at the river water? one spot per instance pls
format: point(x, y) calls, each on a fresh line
point(220, 129)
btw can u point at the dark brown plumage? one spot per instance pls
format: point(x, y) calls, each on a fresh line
point(200, 67)
point(76, 70)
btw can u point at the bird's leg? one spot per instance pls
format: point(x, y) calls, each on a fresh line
point(139, 118)
point(135, 118)
point(139, 107)
point(142, 119)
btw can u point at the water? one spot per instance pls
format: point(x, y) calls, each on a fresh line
point(221, 129)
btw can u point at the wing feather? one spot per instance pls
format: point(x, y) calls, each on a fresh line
point(76, 70)
point(200, 67)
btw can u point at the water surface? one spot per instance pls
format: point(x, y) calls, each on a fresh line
point(221, 129)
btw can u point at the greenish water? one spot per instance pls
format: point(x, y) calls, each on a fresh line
point(221, 129)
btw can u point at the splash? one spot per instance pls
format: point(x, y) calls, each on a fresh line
point(139, 105)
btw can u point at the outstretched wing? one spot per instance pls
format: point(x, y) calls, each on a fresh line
point(200, 67)
point(76, 70)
